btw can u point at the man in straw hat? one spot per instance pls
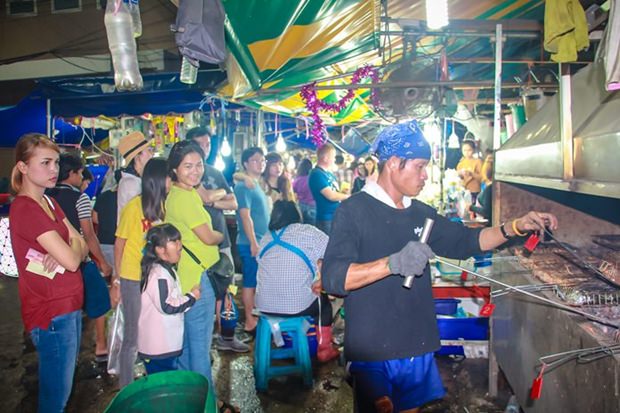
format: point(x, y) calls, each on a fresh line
point(391, 331)
point(136, 152)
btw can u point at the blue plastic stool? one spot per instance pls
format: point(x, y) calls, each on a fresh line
point(263, 353)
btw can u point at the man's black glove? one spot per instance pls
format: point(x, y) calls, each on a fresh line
point(411, 260)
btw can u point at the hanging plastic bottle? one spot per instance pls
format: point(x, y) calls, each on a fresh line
point(134, 10)
point(189, 70)
point(118, 25)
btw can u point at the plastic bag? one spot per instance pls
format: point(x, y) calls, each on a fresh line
point(115, 338)
point(8, 266)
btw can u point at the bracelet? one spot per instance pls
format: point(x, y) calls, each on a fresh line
point(116, 281)
point(516, 231)
point(503, 230)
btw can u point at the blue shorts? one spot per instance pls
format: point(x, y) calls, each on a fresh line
point(409, 383)
point(249, 266)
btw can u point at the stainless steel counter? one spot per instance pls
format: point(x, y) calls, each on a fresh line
point(524, 329)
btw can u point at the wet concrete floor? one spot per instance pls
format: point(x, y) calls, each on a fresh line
point(465, 381)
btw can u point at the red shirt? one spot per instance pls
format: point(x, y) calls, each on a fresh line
point(42, 299)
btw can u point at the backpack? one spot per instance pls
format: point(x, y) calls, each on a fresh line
point(8, 266)
point(199, 30)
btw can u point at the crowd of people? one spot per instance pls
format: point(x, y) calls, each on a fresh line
point(162, 229)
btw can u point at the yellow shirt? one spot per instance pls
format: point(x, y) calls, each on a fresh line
point(473, 165)
point(133, 228)
point(185, 211)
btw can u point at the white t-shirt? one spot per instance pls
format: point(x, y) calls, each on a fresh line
point(129, 187)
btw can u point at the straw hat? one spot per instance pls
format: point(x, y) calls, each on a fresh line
point(131, 145)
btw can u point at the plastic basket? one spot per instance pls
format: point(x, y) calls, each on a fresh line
point(446, 306)
point(166, 392)
point(483, 260)
point(473, 328)
point(313, 343)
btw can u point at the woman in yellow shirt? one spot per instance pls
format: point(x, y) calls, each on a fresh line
point(137, 217)
point(469, 170)
point(185, 210)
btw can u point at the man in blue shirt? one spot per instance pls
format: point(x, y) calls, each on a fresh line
point(252, 222)
point(324, 187)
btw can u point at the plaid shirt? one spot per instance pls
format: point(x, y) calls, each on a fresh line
point(284, 279)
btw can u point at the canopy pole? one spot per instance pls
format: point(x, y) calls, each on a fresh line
point(566, 122)
point(497, 99)
point(442, 167)
point(48, 111)
point(260, 120)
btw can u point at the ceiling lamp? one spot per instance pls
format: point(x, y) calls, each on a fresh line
point(436, 14)
point(225, 150)
point(432, 133)
point(291, 165)
point(280, 143)
point(219, 163)
point(453, 139)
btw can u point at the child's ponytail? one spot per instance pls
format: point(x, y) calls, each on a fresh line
point(158, 236)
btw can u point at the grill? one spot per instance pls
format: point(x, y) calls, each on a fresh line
point(563, 161)
point(524, 330)
point(574, 284)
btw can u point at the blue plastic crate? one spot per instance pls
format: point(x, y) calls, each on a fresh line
point(446, 306)
point(483, 260)
point(472, 328)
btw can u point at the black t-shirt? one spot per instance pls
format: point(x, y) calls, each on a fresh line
point(105, 206)
point(67, 197)
point(213, 179)
point(386, 321)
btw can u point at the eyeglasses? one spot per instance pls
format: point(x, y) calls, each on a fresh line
point(262, 160)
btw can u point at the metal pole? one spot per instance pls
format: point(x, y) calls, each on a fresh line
point(516, 35)
point(260, 120)
point(566, 122)
point(454, 84)
point(442, 169)
point(48, 111)
point(497, 117)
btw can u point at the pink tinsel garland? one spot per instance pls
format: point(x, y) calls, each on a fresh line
point(314, 104)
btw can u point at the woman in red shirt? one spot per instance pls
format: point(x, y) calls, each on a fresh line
point(48, 252)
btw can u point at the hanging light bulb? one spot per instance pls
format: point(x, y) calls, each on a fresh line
point(280, 143)
point(453, 139)
point(432, 133)
point(436, 14)
point(291, 163)
point(225, 150)
point(220, 165)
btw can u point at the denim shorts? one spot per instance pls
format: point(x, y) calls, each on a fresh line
point(409, 382)
point(249, 266)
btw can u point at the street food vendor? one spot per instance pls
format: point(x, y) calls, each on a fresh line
point(391, 331)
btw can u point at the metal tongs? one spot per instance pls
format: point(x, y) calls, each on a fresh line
point(580, 260)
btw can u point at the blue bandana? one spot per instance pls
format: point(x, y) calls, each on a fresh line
point(403, 140)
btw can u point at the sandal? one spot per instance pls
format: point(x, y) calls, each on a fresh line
point(226, 407)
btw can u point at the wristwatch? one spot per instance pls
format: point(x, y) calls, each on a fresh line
point(504, 233)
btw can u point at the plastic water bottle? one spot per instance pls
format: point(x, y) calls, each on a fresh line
point(513, 405)
point(134, 10)
point(189, 70)
point(122, 47)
